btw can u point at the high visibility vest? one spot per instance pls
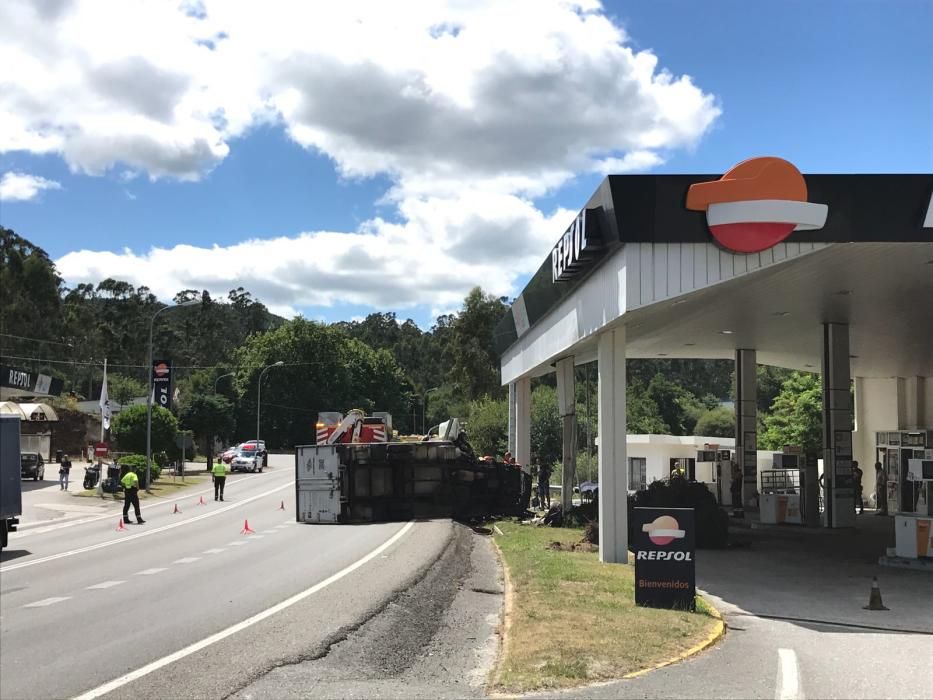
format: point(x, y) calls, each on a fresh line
point(130, 480)
point(219, 468)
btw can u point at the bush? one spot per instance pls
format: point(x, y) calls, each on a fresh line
point(137, 463)
point(712, 523)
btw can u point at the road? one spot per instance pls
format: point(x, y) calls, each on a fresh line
point(82, 604)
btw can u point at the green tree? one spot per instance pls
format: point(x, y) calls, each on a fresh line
point(546, 430)
point(796, 416)
point(717, 422)
point(487, 426)
point(128, 429)
point(123, 389)
point(472, 353)
point(209, 416)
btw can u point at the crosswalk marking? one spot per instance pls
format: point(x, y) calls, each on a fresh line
point(149, 572)
point(47, 601)
point(186, 560)
point(105, 584)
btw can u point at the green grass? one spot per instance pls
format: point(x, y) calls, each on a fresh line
point(573, 620)
point(161, 488)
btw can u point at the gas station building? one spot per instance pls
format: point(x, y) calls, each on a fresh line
point(762, 265)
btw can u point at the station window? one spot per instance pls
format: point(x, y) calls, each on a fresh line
point(637, 473)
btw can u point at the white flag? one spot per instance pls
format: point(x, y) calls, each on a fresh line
point(105, 402)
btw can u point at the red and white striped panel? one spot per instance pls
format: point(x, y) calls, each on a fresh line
point(379, 435)
point(322, 435)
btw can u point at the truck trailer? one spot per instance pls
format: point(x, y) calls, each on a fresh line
point(354, 474)
point(11, 495)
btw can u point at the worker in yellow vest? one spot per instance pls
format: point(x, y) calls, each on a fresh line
point(130, 484)
point(220, 478)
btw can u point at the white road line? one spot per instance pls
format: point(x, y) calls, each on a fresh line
point(788, 685)
point(105, 584)
point(46, 602)
point(39, 530)
point(254, 536)
point(187, 560)
point(144, 533)
point(150, 572)
point(237, 543)
point(215, 550)
point(248, 622)
point(270, 532)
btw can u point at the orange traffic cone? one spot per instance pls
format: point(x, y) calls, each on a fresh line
point(201, 501)
point(247, 530)
point(176, 509)
point(282, 506)
point(121, 526)
point(874, 599)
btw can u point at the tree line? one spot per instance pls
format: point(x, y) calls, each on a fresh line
point(381, 363)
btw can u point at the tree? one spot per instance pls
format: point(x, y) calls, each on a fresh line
point(796, 416)
point(487, 427)
point(128, 429)
point(546, 429)
point(209, 416)
point(123, 388)
point(717, 422)
point(472, 353)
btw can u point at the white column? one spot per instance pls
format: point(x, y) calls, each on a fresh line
point(613, 469)
point(837, 427)
point(522, 451)
point(746, 424)
point(511, 436)
point(567, 409)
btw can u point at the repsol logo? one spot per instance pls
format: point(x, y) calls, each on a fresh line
point(664, 556)
point(21, 380)
point(578, 243)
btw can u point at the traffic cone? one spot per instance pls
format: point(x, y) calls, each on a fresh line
point(247, 530)
point(282, 506)
point(121, 526)
point(176, 509)
point(201, 501)
point(874, 600)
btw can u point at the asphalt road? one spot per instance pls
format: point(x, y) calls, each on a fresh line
point(82, 604)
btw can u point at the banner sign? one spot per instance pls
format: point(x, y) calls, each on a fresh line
point(162, 383)
point(30, 382)
point(665, 571)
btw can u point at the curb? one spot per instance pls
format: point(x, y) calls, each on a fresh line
point(505, 623)
point(719, 630)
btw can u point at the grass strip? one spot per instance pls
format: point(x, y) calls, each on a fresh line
point(573, 620)
point(161, 488)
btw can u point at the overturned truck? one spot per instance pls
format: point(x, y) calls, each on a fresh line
point(357, 473)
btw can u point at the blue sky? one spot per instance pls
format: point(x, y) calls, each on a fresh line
point(831, 86)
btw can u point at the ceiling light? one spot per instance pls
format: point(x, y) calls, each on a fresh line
point(727, 332)
point(689, 345)
point(662, 354)
point(844, 292)
point(679, 301)
point(781, 313)
point(808, 365)
point(852, 357)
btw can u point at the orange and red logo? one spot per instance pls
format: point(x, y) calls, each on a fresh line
point(161, 369)
point(663, 530)
point(756, 205)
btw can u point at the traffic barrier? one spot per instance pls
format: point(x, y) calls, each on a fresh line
point(247, 530)
point(121, 526)
point(874, 598)
point(176, 510)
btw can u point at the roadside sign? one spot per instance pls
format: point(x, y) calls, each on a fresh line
point(665, 572)
point(101, 449)
point(184, 440)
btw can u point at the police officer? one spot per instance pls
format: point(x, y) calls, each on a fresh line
point(857, 488)
point(881, 490)
point(219, 470)
point(131, 496)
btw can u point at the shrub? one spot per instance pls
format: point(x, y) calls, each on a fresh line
point(712, 523)
point(137, 463)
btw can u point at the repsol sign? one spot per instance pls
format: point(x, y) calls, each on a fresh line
point(665, 556)
point(576, 249)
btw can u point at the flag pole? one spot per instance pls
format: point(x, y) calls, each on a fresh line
point(100, 461)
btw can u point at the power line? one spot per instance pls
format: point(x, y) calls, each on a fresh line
point(36, 340)
point(99, 363)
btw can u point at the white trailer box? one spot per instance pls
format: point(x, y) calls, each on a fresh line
point(317, 480)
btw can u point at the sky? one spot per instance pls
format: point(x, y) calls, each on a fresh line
point(339, 159)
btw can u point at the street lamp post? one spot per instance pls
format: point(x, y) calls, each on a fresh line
point(190, 302)
point(211, 436)
point(222, 376)
point(424, 401)
point(259, 396)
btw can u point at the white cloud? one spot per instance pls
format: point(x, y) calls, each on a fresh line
point(20, 187)
point(470, 107)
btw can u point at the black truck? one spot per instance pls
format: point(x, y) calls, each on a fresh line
point(11, 495)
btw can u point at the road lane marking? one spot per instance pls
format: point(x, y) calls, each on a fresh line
point(150, 572)
point(240, 626)
point(214, 550)
point(788, 686)
point(237, 543)
point(105, 584)
point(270, 532)
point(144, 533)
point(186, 560)
point(254, 536)
point(47, 601)
point(42, 529)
